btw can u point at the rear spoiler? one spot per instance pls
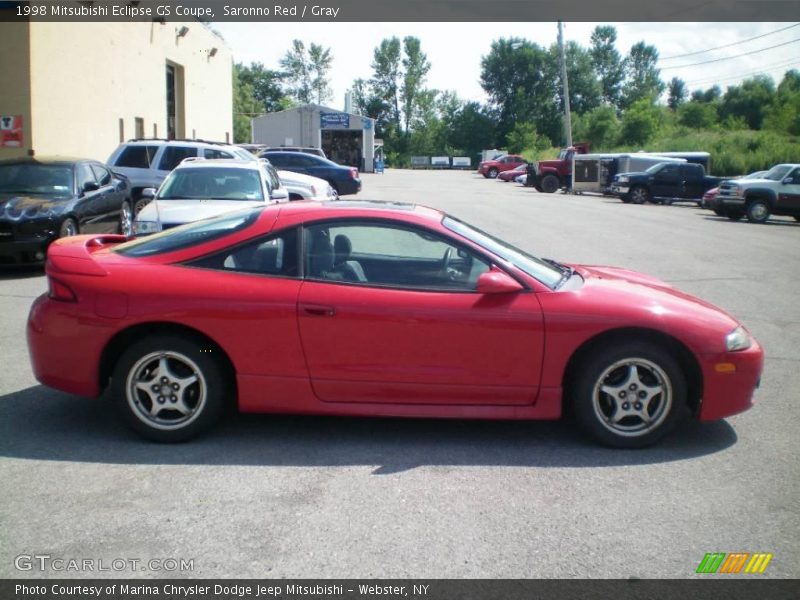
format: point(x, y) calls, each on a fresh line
point(73, 255)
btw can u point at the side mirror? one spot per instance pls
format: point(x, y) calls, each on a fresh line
point(90, 186)
point(279, 195)
point(149, 193)
point(787, 180)
point(497, 282)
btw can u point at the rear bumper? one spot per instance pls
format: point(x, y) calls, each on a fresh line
point(62, 355)
point(349, 186)
point(731, 392)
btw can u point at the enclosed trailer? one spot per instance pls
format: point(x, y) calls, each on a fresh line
point(594, 172)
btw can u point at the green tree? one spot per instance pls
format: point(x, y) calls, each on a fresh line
point(306, 71)
point(265, 83)
point(415, 67)
point(749, 101)
point(642, 78)
point(607, 62)
point(600, 127)
point(640, 122)
point(245, 107)
point(712, 94)
point(784, 114)
point(697, 115)
point(585, 92)
point(471, 129)
point(321, 60)
point(386, 75)
point(677, 93)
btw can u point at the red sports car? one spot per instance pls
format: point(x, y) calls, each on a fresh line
point(512, 174)
point(491, 168)
point(360, 308)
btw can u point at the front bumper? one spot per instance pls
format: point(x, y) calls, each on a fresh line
point(23, 252)
point(729, 390)
point(729, 202)
point(620, 188)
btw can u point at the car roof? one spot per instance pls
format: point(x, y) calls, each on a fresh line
point(358, 209)
point(46, 160)
point(228, 163)
point(181, 142)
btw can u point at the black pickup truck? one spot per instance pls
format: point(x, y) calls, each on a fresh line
point(665, 182)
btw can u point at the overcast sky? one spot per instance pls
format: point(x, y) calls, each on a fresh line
point(455, 49)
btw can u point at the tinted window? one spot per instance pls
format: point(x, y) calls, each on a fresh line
point(85, 175)
point(103, 175)
point(32, 178)
point(191, 234)
point(279, 160)
point(275, 255)
point(137, 157)
point(391, 255)
point(212, 183)
point(173, 155)
point(273, 180)
point(209, 153)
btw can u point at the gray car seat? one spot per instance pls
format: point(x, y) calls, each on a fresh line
point(350, 270)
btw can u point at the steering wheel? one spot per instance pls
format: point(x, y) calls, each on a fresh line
point(448, 255)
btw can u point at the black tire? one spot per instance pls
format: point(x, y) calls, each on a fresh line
point(69, 227)
point(550, 184)
point(139, 204)
point(633, 367)
point(125, 226)
point(639, 194)
point(197, 404)
point(492, 174)
point(757, 211)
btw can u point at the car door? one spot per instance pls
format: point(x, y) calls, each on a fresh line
point(389, 313)
point(667, 181)
point(789, 193)
point(111, 195)
point(90, 209)
point(692, 177)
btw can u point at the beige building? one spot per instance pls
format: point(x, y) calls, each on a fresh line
point(79, 89)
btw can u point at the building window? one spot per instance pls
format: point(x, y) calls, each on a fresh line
point(139, 124)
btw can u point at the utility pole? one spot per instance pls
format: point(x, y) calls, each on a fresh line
point(567, 117)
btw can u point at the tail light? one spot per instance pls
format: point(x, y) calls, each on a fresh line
point(58, 290)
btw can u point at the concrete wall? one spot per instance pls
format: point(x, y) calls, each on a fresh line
point(15, 91)
point(85, 77)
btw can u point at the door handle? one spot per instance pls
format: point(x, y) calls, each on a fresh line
point(318, 310)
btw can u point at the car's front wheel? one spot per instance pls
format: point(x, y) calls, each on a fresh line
point(550, 184)
point(639, 195)
point(492, 174)
point(68, 228)
point(126, 219)
point(629, 395)
point(169, 388)
point(757, 211)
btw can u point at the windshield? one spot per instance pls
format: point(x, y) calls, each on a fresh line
point(548, 274)
point(32, 178)
point(217, 183)
point(191, 234)
point(778, 172)
point(656, 168)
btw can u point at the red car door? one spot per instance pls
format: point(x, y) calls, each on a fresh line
point(408, 326)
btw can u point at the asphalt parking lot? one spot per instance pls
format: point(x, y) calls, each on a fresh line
point(286, 496)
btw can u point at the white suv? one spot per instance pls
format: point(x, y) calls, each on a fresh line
point(146, 163)
point(199, 188)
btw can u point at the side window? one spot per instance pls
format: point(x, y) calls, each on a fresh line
point(275, 255)
point(136, 157)
point(273, 181)
point(668, 172)
point(173, 155)
point(278, 160)
point(210, 153)
point(389, 255)
point(85, 175)
point(103, 175)
point(795, 176)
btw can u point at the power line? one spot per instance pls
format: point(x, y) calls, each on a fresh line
point(729, 45)
point(765, 69)
point(705, 62)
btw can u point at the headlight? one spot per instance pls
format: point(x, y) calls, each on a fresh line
point(146, 227)
point(738, 339)
point(623, 179)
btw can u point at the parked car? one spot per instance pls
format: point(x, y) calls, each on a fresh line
point(306, 187)
point(512, 174)
point(492, 168)
point(708, 200)
point(664, 182)
point(198, 189)
point(344, 180)
point(382, 309)
point(147, 162)
point(305, 149)
point(42, 199)
point(776, 193)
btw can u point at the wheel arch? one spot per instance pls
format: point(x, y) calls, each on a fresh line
point(117, 344)
point(685, 357)
point(761, 194)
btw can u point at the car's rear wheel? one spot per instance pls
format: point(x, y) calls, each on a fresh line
point(629, 395)
point(492, 173)
point(126, 219)
point(169, 388)
point(550, 184)
point(69, 227)
point(639, 195)
point(757, 211)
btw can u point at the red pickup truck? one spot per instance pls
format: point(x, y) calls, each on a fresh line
point(490, 168)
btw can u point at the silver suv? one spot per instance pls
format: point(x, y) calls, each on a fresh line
point(147, 162)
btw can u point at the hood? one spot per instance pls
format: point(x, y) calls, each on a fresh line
point(186, 211)
point(651, 301)
point(550, 163)
point(13, 206)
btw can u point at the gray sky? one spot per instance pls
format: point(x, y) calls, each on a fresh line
point(455, 49)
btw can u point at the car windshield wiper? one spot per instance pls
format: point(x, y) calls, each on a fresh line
point(566, 271)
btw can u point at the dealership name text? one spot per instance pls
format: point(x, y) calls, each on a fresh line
point(185, 591)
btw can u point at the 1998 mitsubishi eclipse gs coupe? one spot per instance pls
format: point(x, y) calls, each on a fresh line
point(380, 309)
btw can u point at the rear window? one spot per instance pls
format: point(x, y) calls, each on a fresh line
point(173, 155)
point(191, 234)
point(137, 157)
